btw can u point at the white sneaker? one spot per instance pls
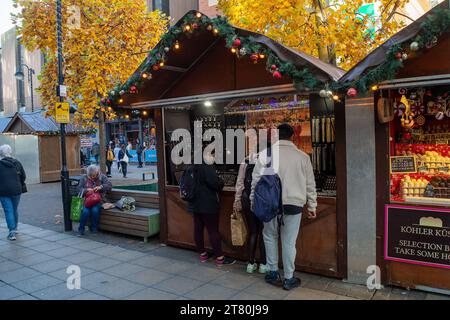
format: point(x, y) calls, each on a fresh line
point(263, 268)
point(252, 267)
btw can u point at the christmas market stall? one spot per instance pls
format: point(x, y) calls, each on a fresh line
point(35, 140)
point(209, 71)
point(408, 78)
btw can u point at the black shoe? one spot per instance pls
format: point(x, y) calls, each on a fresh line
point(273, 278)
point(291, 283)
point(225, 262)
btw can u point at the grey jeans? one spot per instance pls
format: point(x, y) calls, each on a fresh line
point(289, 232)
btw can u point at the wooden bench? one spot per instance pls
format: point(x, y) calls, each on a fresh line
point(143, 222)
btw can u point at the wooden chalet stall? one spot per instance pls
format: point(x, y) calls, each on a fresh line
point(412, 139)
point(40, 145)
point(202, 79)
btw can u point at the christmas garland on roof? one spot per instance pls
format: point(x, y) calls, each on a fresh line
point(239, 45)
point(431, 29)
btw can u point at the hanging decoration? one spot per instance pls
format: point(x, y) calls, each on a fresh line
point(428, 35)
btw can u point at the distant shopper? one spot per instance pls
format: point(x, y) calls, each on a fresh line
point(12, 185)
point(254, 225)
point(298, 189)
point(92, 186)
point(205, 208)
point(116, 155)
point(109, 158)
point(124, 158)
point(95, 152)
point(139, 151)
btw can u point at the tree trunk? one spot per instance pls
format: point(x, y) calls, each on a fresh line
point(326, 54)
point(102, 142)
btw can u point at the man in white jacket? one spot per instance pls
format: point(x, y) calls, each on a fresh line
point(298, 189)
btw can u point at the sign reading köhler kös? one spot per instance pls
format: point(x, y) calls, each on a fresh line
point(417, 235)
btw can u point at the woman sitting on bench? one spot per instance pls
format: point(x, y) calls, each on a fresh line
point(92, 186)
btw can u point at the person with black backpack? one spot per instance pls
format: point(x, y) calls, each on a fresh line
point(254, 225)
point(13, 185)
point(200, 185)
point(283, 183)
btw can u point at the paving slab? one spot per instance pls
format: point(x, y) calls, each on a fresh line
point(37, 283)
point(128, 255)
point(65, 252)
point(51, 265)
point(48, 247)
point(82, 256)
point(118, 289)
point(175, 267)
point(152, 294)
point(266, 290)
point(62, 274)
point(89, 296)
point(107, 251)
point(17, 253)
point(124, 269)
point(150, 261)
point(9, 266)
point(204, 274)
point(9, 292)
point(57, 292)
point(25, 297)
point(148, 277)
point(18, 275)
point(100, 264)
point(236, 281)
point(211, 292)
point(309, 294)
point(248, 296)
point(432, 296)
point(179, 285)
point(96, 279)
point(34, 259)
point(90, 245)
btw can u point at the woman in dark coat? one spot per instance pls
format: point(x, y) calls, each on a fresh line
point(12, 185)
point(205, 208)
point(92, 182)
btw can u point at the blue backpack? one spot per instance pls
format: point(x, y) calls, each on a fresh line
point(267, 196)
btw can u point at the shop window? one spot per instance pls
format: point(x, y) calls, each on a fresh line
point(313, 127)
point(419, 146)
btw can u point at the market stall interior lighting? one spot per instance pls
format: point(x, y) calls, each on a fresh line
point(208, 103)
point(374, 88)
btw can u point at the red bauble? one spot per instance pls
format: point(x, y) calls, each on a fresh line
point(254, 57)
point(195, 25)
point(133, 89)
point(236, 43)
point(398, 55)
point(108, 101)
point(155, 67)
point(407, 136)
point(352, 92)
point(277, 75)
point(274, 67)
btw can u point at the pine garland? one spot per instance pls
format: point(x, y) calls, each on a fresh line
point(435, 25)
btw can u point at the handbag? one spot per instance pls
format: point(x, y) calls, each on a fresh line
point(76, 207)
point(92, 199)
point(238, 229)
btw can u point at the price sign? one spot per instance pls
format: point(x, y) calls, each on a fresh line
point(403, 164)
point(62, 112)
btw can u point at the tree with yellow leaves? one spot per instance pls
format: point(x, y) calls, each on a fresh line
point(338, 32)
point(104, 41)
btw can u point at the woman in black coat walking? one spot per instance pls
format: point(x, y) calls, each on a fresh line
point(13, 185)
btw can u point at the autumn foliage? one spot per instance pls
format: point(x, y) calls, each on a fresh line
point(104, 41)
point(335, 31)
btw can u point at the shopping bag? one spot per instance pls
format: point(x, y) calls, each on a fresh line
point(76, 207)
point(238, 229)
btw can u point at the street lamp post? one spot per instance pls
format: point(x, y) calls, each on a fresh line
point(64, 171)
point(20, 76)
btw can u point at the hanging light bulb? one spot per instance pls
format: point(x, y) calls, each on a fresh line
point(120, 100)
point(127, 116)
point(177, 45)
point(335, 97)
point(198, 15)
point(144, 113)
point(145, 75)
point(233, 50)
point(216, 31)
point(374, 88)
point(262, 55)
point(187, 27)
point(161, 64)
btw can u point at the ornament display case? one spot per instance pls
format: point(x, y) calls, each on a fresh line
point(426, 140)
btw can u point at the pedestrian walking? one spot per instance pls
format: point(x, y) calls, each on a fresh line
point(95, 152)
point(139, 151)
point(12, 176)
point(124, 158)
point(205, 208)
point(254, 225)
point(116, 155)
point(93, 185)
point(109, 159)
point(298, 188)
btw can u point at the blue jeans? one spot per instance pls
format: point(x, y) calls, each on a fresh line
point(10, 205)
point(94, 213)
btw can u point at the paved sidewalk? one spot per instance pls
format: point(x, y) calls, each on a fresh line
point(34, 267)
